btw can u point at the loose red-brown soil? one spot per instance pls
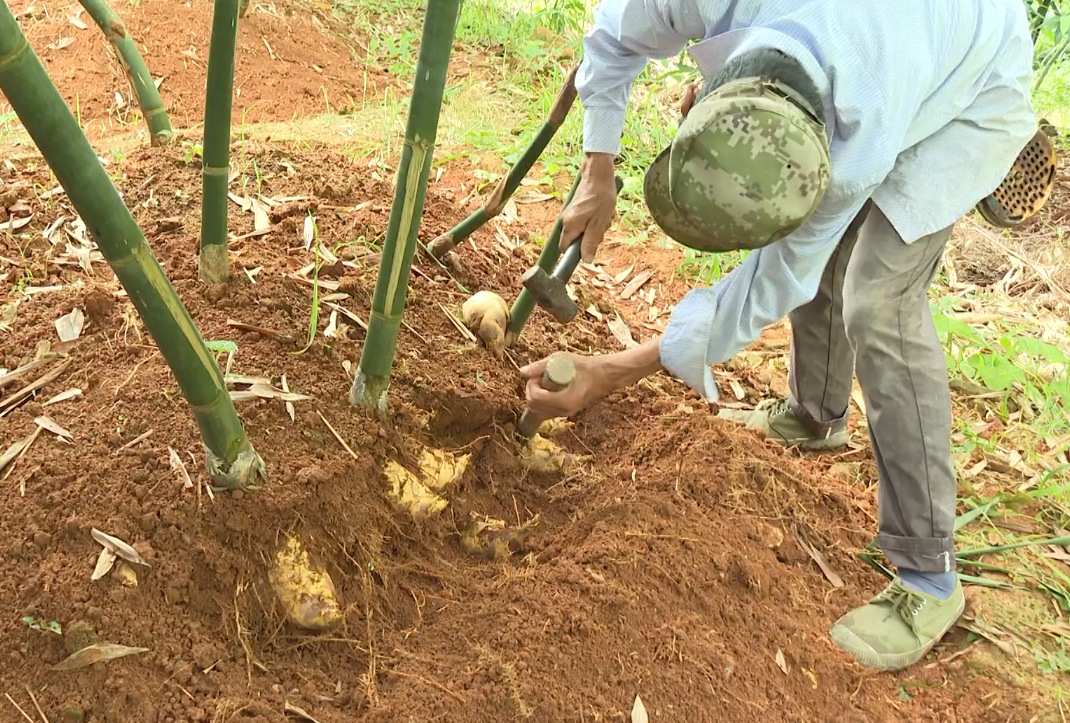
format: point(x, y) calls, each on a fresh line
point(287, 64)
point(666, 567)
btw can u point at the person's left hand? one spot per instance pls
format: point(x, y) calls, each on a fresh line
point(589, 385)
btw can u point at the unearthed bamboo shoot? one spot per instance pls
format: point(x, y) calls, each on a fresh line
point(215, 168)
point(509, 183)
point(388, 303)
point(525, 302)
point(148, 97)
point(232, 461)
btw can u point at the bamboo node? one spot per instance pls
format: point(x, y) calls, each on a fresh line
point(21, 46)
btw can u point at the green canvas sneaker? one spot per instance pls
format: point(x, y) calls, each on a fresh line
point(779, 423)
point(898, 627)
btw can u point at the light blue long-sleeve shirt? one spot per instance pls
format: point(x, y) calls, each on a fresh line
point(927, 108)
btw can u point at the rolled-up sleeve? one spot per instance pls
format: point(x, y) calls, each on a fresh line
point(713, 324)
point(625, 35)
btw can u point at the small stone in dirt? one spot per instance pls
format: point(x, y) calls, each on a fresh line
point(184, 673)
point(205, 655)
point(98, 304)
point(216, 293)
point(335, 271)
point(78, 635)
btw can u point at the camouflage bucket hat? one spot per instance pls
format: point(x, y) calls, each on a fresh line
point(747, 167)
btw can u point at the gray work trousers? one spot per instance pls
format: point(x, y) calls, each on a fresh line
point(872, 315)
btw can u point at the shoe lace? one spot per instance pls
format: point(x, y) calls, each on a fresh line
point(779, 408)
point(902, 601)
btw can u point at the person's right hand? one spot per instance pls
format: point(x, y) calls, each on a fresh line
point(593, 207)
point(590, 385)
point(690, 93)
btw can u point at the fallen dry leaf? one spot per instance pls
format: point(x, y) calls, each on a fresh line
point(120, 548)
point(639, 714)
point(105, 561)
point(309, 232)
point(60, 44)
point(635, 284)
point(179, 468)
point(619, 278)
point(76, 21)
point(509, 213)
point(96, 653)
point(620, 332)
point(533, 197)
point(296, 712)
point(594, 312)
point(13, 451)
point(49, 425)
point(15, 224)
point(781, 663)
point(251, 273)
point(261, 222)
point(63, 396)
point(69, 327)
point(331, 332)
point(289, 405)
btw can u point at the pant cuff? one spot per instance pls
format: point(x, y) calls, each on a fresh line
point(933, 554)
point(817, 428)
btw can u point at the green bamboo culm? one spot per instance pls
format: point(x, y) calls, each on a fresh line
point(551, 252)
point(215, 165)
point(232, 461)
point(507, 186)
point(388, 303)
point(148, 97)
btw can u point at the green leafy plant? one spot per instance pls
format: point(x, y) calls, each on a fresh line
point(49, 626)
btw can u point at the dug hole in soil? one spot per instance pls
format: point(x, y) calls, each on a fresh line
point(666, 565)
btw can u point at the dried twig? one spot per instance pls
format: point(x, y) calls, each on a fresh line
point(338, 436)
point(19, 708)
point(260, 330)
point(11, 403)
point(36, 705)
point(133, 441)
point(12, 377)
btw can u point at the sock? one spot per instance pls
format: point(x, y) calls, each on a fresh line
point(938, 584)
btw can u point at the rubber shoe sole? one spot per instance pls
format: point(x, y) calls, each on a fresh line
point(867, 657)
point(837, 440)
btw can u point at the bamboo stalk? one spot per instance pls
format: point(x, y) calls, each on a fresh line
point(551, 251)
point(148, 97)
point(507, 186)
point(215, 167)
point(388, 303)
point(231, 459)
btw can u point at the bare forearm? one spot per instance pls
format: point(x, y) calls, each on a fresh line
point(627, 367)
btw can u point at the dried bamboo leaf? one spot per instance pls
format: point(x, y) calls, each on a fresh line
point(96, 653)
point(12, 452)
point(120, 548)
point(15, 224)
point(261, 222)
point(621, 332)
point(63, 396)
point(639, 714)
point(105, 561)
point(179, 468)
point(635, 284)
point(47, 424)
point(69, 327)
